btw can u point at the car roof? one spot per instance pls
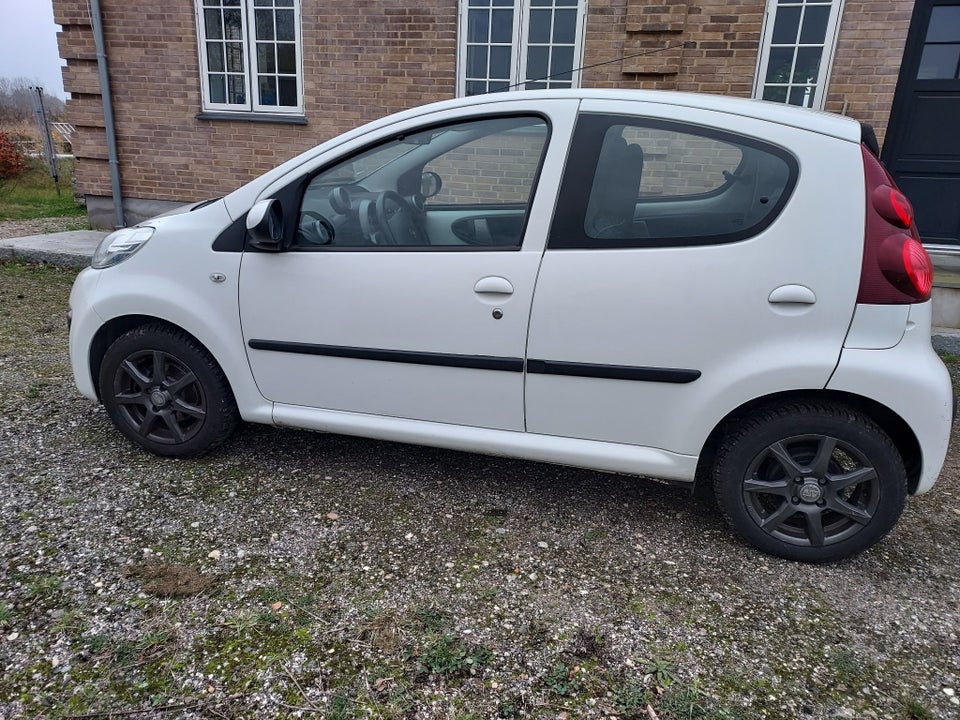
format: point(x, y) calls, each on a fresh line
point(817, 121)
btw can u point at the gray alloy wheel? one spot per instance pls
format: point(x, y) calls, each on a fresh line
point(816, 481)
point(165, 392)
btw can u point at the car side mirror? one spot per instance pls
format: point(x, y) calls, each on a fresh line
point(265, 226)
point(430, 184)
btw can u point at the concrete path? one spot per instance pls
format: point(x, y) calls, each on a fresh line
point(73, 248)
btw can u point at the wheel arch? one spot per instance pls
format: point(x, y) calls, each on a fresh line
point(115, 327)
point(890, 422)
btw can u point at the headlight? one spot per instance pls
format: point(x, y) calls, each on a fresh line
point(118, 246)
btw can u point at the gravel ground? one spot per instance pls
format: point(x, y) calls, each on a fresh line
point(295, 574)
point(41, 226)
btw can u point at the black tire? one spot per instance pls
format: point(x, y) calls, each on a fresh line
point(815, 482)
point(165, 392)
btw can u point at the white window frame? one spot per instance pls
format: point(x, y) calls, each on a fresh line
point(826, 60)
point(250, 63)
point(521, 34)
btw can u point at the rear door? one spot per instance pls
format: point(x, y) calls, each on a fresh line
point(696, 261)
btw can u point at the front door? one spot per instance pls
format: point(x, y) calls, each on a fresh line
point(407, 290)
point(922, 148)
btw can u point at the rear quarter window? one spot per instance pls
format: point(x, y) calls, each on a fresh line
point(635, 182)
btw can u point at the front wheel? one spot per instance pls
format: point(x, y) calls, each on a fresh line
point(166, 393)
point(815, 482)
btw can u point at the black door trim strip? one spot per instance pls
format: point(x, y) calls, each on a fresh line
point(485, 362)
point(475, 362)
point(613, 372)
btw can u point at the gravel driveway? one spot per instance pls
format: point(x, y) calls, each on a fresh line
point(295, 574)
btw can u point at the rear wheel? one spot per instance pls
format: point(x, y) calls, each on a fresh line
point(816, 482)
point(166, 393)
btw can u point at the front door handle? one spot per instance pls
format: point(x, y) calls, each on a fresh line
point(793, 294)
point(493, 285)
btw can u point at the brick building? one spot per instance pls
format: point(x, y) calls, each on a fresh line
point(210, 93)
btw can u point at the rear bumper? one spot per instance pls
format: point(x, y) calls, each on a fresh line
point(912, 381)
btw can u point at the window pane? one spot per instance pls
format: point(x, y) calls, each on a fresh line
point(264, 24)
point(266, 59)
point(490, 163)
point(538, 59)
point(215, 57)
point(564, 26)
point(288, 91)
point(535, 86)
point(555, 84)
point(814, 30)
point(285, 30)
point(236, 92)
point(476, 87)
point(786, 26)
point(503, 3)
point(541, 3)
point(778, 67)
point(802, 96)
point(808, 64)
point(234, 52)
point(232, 25)
point(944, 24)
point(284, 3)
point(478, 26)
point(476, 61)
point(287, 58)
point(540, 26)
point(213, 24)
point(567, 2)
point(500, 62)
point(498, 85)
point(775, 94)
point(562, 63)
point(218, 89)
point(648, 181)
point(939, 62)
point(234, 3)
point(502, 30)
point(268, 90)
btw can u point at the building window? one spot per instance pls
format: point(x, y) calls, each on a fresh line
point(796, 53)
point(250, 55)
point(519, 45)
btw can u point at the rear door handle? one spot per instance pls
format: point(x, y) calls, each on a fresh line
point(793, 294)
point(493, 285)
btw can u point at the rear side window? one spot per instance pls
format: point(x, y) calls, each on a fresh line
point(633, 182)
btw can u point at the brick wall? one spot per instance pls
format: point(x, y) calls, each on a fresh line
point(366, 58)
point(363, 59)
point(867, 61)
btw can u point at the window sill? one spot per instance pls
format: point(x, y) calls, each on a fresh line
point(252, 117)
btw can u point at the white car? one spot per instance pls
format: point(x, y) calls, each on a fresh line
point(689, 287)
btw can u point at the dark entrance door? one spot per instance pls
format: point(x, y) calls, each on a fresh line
point(922, 147)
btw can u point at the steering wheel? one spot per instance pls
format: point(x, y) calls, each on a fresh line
point(396, 220)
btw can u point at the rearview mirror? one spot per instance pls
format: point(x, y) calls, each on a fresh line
point(265, 225)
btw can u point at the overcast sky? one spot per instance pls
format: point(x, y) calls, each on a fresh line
point(28, 43)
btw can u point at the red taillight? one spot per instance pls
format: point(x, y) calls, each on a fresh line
point(893, 206)
point(896, 268)
point(918, 266)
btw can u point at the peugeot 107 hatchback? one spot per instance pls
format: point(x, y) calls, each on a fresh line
point(694, 288)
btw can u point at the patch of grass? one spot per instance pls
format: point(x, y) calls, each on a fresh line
point(916, 710)
point(561, 680)
point(450, 656)
point(662, 671)
point(949, 357)
point(170, 580)
point(688, 702)
point(32, 194)
point(5, 615)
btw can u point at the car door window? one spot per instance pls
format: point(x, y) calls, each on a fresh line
point(460, 186)
point(659, 183)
